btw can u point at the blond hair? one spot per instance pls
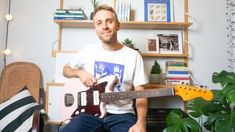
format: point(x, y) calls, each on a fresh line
point(107, 8)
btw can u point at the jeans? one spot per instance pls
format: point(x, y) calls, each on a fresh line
point(110, 123)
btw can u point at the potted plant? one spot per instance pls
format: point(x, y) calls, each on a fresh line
point(94, 4)
point(128, 42)
point(219, 112)
point(155, 73)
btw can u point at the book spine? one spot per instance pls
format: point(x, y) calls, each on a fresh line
point(177, 72)
point(178, 78)
point(56, 13)
point(68, 11)
point(178, 82)
point(68, 18)
point(175, 63)
point(81, 16)
point(176, 68)
point(176, 75)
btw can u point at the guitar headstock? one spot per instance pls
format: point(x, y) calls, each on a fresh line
point(188, 92)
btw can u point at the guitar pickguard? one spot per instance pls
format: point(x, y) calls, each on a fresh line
point(90, 107)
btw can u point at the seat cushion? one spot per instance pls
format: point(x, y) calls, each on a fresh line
point(16, 113)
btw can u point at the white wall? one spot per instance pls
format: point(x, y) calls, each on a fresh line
point(3, 12)
point(33, 31)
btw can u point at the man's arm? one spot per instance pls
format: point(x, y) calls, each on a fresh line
point(86, 78)
point(69, 72)
point(142, 108)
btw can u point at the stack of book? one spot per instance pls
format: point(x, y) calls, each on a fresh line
point(123, 10)
point(69, 14)
point(177, 73)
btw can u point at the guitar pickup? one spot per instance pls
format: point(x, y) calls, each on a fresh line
point(96, 98)
point(83, 99)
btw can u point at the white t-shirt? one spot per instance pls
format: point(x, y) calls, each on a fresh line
point(126, 64)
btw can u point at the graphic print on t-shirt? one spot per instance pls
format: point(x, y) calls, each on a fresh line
point(102, 69)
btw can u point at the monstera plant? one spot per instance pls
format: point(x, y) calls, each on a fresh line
point(218, 113)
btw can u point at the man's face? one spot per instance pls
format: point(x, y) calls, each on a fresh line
point(106, 26)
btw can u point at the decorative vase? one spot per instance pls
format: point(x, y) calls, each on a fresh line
point(91, 15)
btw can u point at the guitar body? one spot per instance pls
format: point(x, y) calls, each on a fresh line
point(78, 98)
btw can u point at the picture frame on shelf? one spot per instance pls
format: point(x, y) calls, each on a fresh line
point(159, 10)
point(170, 42)
point(152, 45)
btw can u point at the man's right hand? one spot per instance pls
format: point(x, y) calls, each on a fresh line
point(86, 78)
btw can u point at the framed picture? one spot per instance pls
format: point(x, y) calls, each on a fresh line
point(152, 45)
point(170, 42)
point(158, 10)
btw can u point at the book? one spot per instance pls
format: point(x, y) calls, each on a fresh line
point(123, 9)
point(158, 10)
point(68, 18)
point(177, 72)
point(175, 63)
point(58, 13)
point(176, 68)
point(82, 16)
point(69, 11)
point(178, 81)
point(178, 78)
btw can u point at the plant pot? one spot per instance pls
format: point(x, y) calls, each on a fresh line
point(155, 78)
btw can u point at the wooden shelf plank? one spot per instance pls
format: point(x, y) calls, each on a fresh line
point(164, 55)
point(126, 25)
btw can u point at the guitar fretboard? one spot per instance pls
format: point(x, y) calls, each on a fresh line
point(109, 97)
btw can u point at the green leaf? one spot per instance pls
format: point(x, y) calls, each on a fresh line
point(223, 77)
point(227, 88)
point(195, 107)
point(192, 124)
point(221, 122)
point(177, 123)
point(231, 96)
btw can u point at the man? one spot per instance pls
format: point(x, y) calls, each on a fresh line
point(110, 58)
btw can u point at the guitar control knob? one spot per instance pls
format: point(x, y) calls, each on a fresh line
point(77, 112)
point(82, 110)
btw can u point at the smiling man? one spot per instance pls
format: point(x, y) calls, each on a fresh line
point(110, 57)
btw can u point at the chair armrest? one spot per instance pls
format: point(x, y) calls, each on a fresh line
point(39, 115)
point(36, 121)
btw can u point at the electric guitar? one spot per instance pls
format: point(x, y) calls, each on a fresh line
point(77, 98)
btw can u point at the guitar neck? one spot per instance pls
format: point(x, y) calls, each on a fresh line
point(113, 96)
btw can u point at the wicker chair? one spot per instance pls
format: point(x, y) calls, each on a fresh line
point(17, 75)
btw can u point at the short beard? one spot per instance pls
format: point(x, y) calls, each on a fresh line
point(109, 41)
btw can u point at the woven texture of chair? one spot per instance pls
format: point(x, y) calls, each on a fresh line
point(17, 75)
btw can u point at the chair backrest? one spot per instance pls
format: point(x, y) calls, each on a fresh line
point(16, 75)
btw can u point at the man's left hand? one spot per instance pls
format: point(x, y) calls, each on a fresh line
point(138, 128)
